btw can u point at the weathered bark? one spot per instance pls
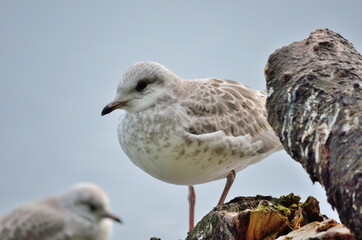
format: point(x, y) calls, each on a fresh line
point(328, 229)
point(260, 217)
point(315, 106)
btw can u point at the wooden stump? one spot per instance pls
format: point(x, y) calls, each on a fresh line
point(253, 218)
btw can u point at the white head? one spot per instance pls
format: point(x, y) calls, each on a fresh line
point(89, 202)
point(142, 86)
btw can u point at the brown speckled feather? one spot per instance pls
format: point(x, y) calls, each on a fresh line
point(228, 106)
point(237, 110)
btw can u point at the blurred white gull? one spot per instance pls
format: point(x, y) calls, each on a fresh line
point(81, 213)
point(191, 131)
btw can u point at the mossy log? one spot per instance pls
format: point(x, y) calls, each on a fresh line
point(260, 217)
point(315, 106)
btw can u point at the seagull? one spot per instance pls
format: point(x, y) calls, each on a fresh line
point(193, 131)
point(81, 213)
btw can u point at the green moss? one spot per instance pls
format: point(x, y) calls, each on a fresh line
point(205, 227)
point(265, 206)
point(290, 200)
point(207, 223)
point(282, 210)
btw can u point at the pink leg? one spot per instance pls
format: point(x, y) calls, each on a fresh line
point(192, 200)
point(229, 181)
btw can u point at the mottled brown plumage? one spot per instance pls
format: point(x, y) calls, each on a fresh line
point(190, 131)
point(228, 106)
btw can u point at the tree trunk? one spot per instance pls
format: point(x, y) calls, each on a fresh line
point(315, 106)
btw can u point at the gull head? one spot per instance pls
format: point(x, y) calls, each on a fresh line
point(142, 86)
point(89, 202)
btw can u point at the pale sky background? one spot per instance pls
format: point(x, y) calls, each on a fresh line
point(60, 62)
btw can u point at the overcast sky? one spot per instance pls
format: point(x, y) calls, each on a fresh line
point(60, 62)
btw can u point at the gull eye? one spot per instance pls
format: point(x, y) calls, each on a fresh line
point(141, 85)
point(92, 207)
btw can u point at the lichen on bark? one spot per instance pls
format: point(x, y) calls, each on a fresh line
point(315, 106)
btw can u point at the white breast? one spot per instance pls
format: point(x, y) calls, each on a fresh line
point(156, 141)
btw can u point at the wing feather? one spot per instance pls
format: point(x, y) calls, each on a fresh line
point(31, 222)
point(231, 107)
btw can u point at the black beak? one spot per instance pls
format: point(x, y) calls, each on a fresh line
point(106, 110)
point(111, 107)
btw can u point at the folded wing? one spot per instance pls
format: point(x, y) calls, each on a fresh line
point(31, 223)
point(233, 108)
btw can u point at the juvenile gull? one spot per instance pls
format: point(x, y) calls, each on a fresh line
point(189, 132)
point(81, 213)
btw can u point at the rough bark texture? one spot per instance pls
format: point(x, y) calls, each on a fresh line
point(265, 217)
point(328, 229)
point(315, 106)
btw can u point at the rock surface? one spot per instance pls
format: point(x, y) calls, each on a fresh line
point(315, 106)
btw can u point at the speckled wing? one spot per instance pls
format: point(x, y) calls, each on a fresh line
point(32, 223)
point(231, 107)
